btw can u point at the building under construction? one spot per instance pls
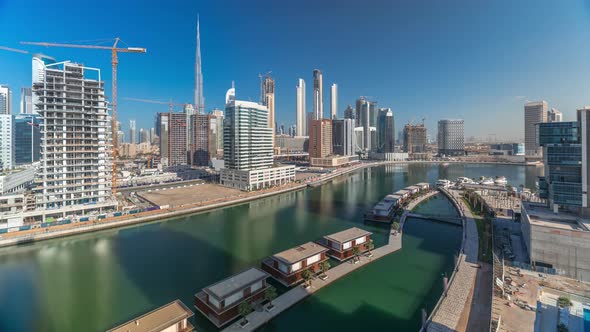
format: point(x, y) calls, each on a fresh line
point(177, 154)
point(200, 124)
point(415, 138)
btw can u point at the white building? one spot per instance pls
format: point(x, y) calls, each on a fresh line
point(334, 101)
point(451, 137)
point(26, 101)
point(16, 181)
point(301, 114)
point(534, 112)
point(6, 141)
point(248, 147)
point(554, 115)
point(75, 138)
point(318, 95)
point(5, 100)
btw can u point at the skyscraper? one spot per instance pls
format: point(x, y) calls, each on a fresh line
point(189, 110)
point(386, 130)
point(334, 101)
point(343, 137)
point(81, 110)
point(216, 139)
point(6, 142)
point(301, 114)
point(26, 101)
point(350, 114)
point(132, 132)
point(177, 153)
point(5, 100)
point(199, 99)
point(451, 137)
point(27, 140)
point(534, 113)
point(268, 100)
point(554, 115)
point(318, 95)
point(162, 127)
point(320, 138)
point(415, 138)
point(201, 124)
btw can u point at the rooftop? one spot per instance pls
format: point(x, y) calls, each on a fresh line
point(236, 282)
point(401, 192)
point(348, 235)
point(541, 215)
point(157, 320)
point(299, 253)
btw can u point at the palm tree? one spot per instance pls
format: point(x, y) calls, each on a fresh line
point(270, 294)
point(306, 275)
point(356, 251)
point(244, 309)
point(324, 266)
point(395, 226)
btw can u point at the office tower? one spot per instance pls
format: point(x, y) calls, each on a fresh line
point(27, 139)
point(199, 99)
point(144, 136)
point(415, 138)
point(201, 124)
point(121, 136)
point(349, 113)
point(451, 137)
point(152, 135)
point(554, 115)
point(318, 95)
point(534, 113)
point(386, 130)
point(26, 101)
point(343, 137)
point(320, 138)
point(177, 154)
point(162, 126)
point(247, 147)
point(6, 142)
point(334, 101)
point(268, 100)
point(367, 118)
point(132, 134)
point(216, 139)
point(309, 117)
point(5, 100)
point(75, 120)
point(301, 114)
point(583, 117)
point(189, 110)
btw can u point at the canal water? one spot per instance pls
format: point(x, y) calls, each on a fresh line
point(95, 281)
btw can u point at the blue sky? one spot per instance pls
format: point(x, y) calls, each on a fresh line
point(471, 59)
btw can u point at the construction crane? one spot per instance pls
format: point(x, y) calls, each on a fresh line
point(170, 103)
point(114, 62)
point(9, 49)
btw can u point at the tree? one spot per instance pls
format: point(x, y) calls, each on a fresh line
point(270, 294)
point(306, 275)
point(563, 302)
point(244, 309)
point(356, 251)
point(562, 328)
point(324, 266)
point(395, 226)
point(370, 245)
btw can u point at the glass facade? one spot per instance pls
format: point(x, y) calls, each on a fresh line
point(558, 133)
point(27, 139)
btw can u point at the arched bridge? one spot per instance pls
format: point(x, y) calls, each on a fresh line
point(448, 220)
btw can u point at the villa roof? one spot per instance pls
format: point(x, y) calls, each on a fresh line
point(157, 319)
point(348, 235)
point(232, 284)
point(300, 253)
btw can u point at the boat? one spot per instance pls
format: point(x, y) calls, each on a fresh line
point(443, 183)
point(486, 181)
point(501, 180)
point(463, 179)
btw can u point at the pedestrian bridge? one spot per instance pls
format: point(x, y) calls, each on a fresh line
point(448, 220)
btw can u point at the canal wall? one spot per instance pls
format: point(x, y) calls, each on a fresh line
point(452, 303)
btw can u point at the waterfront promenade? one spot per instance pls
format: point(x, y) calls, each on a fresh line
point(260, 316)
point(448, 311)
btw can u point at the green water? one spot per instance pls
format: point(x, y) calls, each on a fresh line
point(95, 281)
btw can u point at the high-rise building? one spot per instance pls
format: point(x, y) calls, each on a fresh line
point(26, 101)
point(334, 101)
point(152, 135)
point(415, 138)
point(177, 154)
point(534, 113)
point(27, 139)
point(343, 137)
point(144, 136)
point(6, 141)
point(76, 137)
point(301, 114)
point(350, 114)
point(132, 132)
point(318, 95)
point(386, 131)
point(247, 147)
point(201, 124)
point(216, 139)
point(451, 137)
point(583, 117)
point(189, 110)
point(268, 100)
point(320, 138)
point(199, 99)
point(5, 100)
point(554, 115)
point(162, 127)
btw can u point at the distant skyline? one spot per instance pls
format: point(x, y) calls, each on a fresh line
point(479, 61)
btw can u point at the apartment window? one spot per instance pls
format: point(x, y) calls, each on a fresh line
point(256, 287)
point(360, 240)
point(233, 298)
point(313, 259)
point(346, 245)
